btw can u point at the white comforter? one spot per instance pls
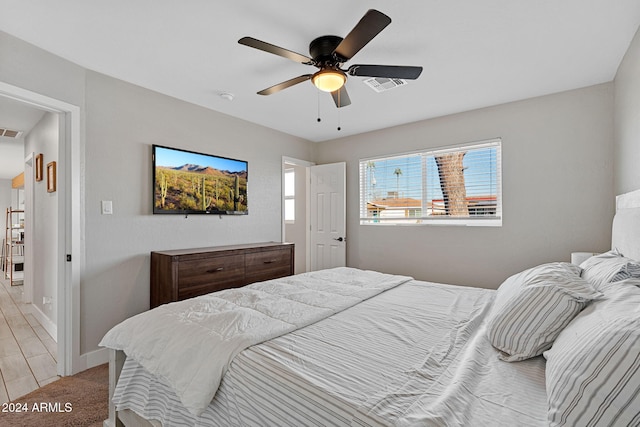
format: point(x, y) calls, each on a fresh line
point(191, 343)
point(416, 355)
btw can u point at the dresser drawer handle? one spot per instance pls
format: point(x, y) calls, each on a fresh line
point(270, 261)
point(215, 270)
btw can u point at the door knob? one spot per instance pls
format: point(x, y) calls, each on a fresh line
point(340, 239)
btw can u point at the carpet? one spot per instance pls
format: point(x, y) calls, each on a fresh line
point(81, 400)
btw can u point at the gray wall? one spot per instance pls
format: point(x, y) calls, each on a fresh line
point(5, 198)
point(43, 138)
point(40, 71)
point(627, 120)
point(557, 190)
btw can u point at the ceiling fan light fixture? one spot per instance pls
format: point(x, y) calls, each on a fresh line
point(329, 79)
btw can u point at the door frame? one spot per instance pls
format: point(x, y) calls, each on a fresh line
point(306, 164)
point(69, 223)
point(29, 241)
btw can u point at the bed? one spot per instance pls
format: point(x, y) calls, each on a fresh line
point(362, 348)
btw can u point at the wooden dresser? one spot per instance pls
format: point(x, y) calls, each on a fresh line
point(186, 273)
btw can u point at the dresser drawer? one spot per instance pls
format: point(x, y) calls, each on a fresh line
point(267, 265)
point(202, 276)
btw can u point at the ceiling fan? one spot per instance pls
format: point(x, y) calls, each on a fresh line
point(329, 53)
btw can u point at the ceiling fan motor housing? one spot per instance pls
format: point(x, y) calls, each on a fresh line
point(321, 50)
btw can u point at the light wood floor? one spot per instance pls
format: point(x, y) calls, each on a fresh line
point(27, 352)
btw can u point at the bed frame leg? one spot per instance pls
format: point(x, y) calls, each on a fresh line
point(116, 361)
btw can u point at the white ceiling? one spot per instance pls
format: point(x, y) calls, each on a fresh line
point(475, 53)
point(15, 115)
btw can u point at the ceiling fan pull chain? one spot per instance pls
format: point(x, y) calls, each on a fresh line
point(318, 92)
point(339, 110)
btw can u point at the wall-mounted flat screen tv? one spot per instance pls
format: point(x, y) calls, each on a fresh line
point(186, 182)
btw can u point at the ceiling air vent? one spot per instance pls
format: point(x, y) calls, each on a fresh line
point(382, 84)
point(8, 133)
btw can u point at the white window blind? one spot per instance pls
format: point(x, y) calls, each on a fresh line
point(453, 185)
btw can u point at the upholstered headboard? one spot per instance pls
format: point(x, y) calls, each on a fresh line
point(626, 225)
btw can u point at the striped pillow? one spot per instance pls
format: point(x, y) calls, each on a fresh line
point(608, 267)
point(630, 271)
point(593, 373)
point(531, 308)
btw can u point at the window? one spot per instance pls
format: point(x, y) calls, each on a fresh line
point(289, 196)
point(454, 185)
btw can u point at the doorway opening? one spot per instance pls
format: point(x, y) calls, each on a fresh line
point(295, 209)
point(67, 245)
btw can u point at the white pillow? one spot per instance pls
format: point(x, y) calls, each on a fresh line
point(532, 307)
point(593, 368)
point(607, 267)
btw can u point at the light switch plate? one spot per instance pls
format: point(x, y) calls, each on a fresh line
point(107, 207)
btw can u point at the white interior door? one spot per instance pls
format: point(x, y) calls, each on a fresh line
point(328, 245)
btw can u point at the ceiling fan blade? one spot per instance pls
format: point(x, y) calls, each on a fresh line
point(389, 71)
point(365, 30)
point(276, 50)
point(341, 97)
point(284, 85)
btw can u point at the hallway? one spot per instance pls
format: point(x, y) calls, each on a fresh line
point(27, 351)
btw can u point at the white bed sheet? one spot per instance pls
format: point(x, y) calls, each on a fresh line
point(413, 355)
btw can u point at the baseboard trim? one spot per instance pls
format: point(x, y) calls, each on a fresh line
point(95, 358)
point(47, 324)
